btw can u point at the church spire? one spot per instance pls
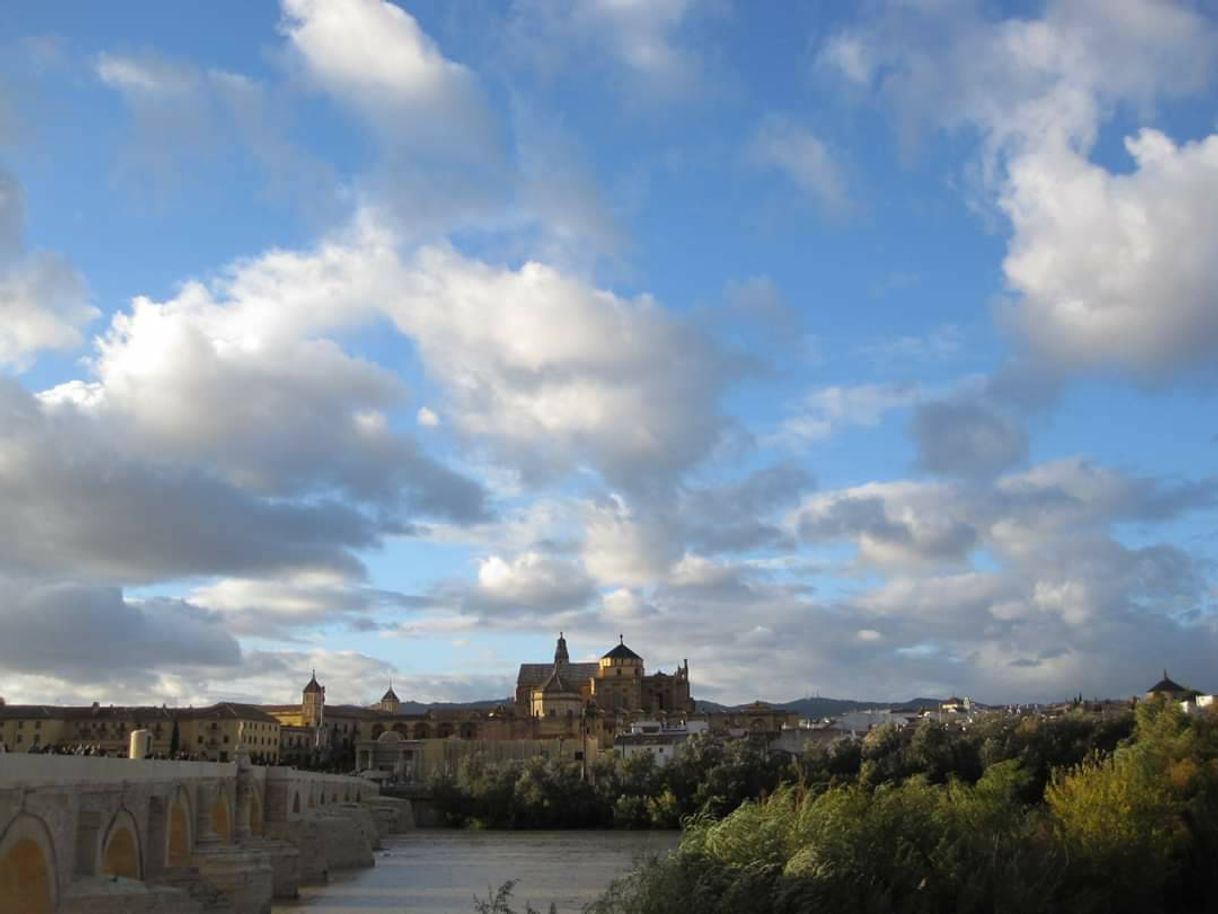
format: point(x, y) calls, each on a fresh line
point(560, 651)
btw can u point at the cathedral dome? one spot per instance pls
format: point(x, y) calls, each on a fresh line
point(621, 652)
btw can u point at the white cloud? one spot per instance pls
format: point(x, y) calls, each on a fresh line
point(640, 41)
point(1110, 270)
point(804, 158)
point(43, 300)
point(290, 605)
point(623, 548)
point(235, 377)
point(894, 525)
point(555, 374)
point(938, 345)
point(1117, 270)
point(826, 410)
point(531, 581)
point(149, 76)
point(372, 55)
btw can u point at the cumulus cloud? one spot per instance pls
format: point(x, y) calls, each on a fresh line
point(1109, 271)
point(1025, 83)
point(235, 377)
point(554, 374)
point(1116, 270)
point(372, 55)
point(532, 581)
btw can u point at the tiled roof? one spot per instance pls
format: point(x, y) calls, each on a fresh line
point(559, 683)
point(228, 710)
point(1168, 685)
point(534, 674)
point(621, 652)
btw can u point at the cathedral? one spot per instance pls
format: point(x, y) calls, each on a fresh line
point(617, 685)
point(579, 703)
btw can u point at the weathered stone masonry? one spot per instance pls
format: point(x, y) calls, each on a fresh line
point(107, 835)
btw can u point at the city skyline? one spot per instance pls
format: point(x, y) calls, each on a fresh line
point(863, 352)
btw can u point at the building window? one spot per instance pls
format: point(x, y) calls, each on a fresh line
point(37, 725)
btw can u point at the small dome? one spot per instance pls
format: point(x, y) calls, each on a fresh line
point(313, 686)
point(389, 736)
point(390, 695)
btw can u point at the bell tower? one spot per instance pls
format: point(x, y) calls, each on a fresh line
point(313, 703)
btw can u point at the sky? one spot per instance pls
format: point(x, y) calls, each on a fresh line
point(857, 350)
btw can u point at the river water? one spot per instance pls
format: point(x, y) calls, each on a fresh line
point(440, 871)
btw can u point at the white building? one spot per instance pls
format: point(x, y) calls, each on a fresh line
point(652, 737)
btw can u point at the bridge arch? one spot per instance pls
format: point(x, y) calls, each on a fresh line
point(120, 848)
point(179, 833)
point(27, 867)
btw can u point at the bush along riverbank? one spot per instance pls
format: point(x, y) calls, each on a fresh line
point(709, 777)
point(1026, 816)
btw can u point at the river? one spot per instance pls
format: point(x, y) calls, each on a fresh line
point(440, 871)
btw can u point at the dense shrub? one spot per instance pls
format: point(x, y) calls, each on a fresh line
point(1086, 814)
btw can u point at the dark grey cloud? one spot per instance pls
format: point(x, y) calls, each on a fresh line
point(739, 515)
point(73, 507)
point(966, 438)
point(92, 634)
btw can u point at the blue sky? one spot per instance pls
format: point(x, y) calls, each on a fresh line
point(863, 351)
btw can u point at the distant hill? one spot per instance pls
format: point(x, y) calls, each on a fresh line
point(813, 708)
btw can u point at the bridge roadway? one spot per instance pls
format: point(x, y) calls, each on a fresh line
point(119, 836)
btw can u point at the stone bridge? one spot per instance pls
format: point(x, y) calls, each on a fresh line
point(108, 835)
